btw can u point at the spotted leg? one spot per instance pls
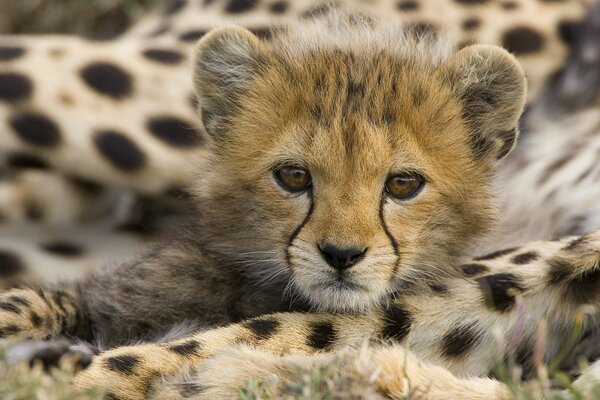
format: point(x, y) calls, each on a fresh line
point(467, 324)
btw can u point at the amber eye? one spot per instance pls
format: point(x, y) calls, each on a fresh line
point(293, 179)
point(404, 186)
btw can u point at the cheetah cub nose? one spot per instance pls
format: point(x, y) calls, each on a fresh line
point(342, 258)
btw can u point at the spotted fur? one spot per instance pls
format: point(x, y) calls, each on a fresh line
point(483, 93)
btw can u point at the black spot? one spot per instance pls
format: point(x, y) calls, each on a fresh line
point(582, 287)
point(499, 290)
point(36, 320)
point(422, 28)
point(262, 33)
point(107, 79)
point(317, 11)
point(175, 131)
point(525, 258)
point(35, 129)
point(19, 300)
point(571, 32)
point(123, 364)
point(438, 288)
point(471, 24)
point(9, 53)
point(279, 7)
point(162, 29)
point(496, 254)
point(84, 185)
point(263, 328)
point(509, 5)
point(14, 86)
point(189, 389)
point(474, 269)
point(174, 6)
point(10, 307)
point(408, 5)
point(63, 248)
point(240, 6)
point(163, 56)
point(188, 348)
point(22, 160)
point(553, 167)
point(192, 36)
point(397, 323)
point(9, 330)
point(471, 2)
point(34, 212)
point(119, 150)
point(575, 243)
point(522, 40)
point(322, 336)
point(460, 340)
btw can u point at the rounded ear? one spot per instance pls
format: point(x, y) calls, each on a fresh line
point(492, 87)
point(226, 61)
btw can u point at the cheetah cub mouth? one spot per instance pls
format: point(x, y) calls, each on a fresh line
point(348, 160)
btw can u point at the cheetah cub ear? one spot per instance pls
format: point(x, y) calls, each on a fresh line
point(492, 87)
point(226, 61)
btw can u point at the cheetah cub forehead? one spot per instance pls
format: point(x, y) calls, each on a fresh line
point(349, 158)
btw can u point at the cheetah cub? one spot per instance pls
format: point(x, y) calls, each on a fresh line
point(349, 164)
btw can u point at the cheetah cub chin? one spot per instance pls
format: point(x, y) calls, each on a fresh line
point(347, 159)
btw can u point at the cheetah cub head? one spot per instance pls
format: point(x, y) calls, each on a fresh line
point(347, 159)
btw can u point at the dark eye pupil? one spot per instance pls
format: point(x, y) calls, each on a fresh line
point(293, 179)
point(403, 187)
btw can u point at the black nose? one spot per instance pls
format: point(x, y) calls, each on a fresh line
point(342, 258)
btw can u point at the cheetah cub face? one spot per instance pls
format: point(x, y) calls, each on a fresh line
point(348, 159)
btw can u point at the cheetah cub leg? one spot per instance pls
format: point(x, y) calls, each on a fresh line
point(31, 314)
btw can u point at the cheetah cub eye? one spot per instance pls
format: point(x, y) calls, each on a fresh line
point(293, 179)
point(404, 186)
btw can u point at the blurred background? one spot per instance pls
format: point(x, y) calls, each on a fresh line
point(95, 18)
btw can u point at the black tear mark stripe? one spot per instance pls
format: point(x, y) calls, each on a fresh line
point(189, 348)
point(263, 328)
point(391, 238)
point(499, 290)
point(298, 229)
point(397, 323)
point(495, 254)
point(460, 340)
point(474, 269)
point(124, 364)
point(323, 336)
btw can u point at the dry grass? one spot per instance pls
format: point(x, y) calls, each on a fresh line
point(81, 17)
